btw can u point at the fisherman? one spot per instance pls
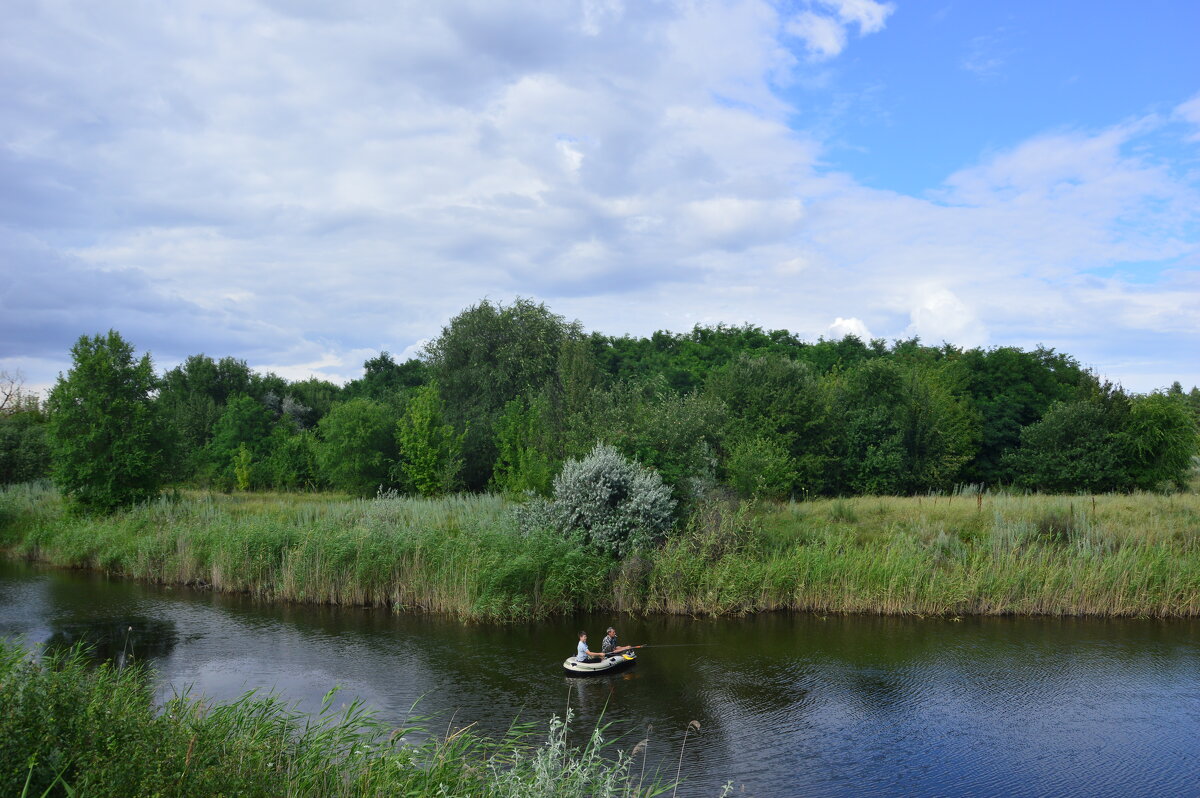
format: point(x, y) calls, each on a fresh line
point(609, 646)
point(583, 654)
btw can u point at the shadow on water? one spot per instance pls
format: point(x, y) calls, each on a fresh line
point(122, 640)
point(788, 704)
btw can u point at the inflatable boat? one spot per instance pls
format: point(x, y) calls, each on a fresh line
point(615, 662)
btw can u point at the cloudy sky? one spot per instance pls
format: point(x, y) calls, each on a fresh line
point(303, 184)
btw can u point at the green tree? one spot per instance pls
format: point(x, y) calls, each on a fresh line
point(239, 440)
point(522, 464)
point(896, 430)
point(385, 380)
point(1074, 447)
point(24, 452)
point(761, 466)
point(679, 436)
point(105, 437)
point(358, 446)
point(1161, 436)
point(775, 402)
point(291, 462)
point(430, 450)
point(484, 358)
point(1012, 389)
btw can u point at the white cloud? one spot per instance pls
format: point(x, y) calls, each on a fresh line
point(851, 326)
point(305, 191)
point(1189, 112)
point(938, 316)
point(869, 15)
point(825, 36)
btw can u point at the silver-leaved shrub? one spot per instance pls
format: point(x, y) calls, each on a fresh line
point(615, 504)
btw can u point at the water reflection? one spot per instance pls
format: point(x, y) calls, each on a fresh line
point(788, 704)
point(121, 640)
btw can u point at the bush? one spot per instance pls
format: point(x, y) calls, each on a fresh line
point(618, 506)
point(761, 466)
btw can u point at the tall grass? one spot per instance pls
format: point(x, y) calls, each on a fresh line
point(969, 552)
point(993, 554)
point(95, 730)
point(460, 555)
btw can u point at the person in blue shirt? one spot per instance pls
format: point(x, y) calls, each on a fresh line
point(582, 653)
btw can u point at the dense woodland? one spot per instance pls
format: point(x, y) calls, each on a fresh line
point(507, 393)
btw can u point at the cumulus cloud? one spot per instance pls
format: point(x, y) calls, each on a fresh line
point(851, 326)
point(303, 185)
point(938, 316)
point(824, 27)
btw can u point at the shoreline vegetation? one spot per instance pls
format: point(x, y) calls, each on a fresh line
point(466, 556)
point(71, 727)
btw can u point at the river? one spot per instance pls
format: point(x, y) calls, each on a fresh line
point(788, 704)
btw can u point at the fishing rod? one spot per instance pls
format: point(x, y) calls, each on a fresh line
point(673, 645)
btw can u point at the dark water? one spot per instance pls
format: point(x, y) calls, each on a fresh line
point(788, 704)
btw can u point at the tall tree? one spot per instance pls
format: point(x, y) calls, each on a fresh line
point(484, 358)
point(358, 448)
point(430, 450)
point(104, 436)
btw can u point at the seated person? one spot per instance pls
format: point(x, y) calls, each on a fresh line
point(609, 646)
point(582, 653)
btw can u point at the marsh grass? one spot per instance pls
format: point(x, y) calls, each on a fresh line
point(461, 555)
point(68, 728)
point(965, 552)
point(1135, 554)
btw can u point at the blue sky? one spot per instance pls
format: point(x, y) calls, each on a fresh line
point(947, 83)
point(303, 185)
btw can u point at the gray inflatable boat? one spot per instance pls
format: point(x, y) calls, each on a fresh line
point(609, 664)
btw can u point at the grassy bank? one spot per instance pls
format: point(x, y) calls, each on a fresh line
point(992, 554)
point(68, 728)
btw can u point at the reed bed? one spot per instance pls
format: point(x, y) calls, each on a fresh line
point(969, 553)
point(69, 728)
point(1112, 555)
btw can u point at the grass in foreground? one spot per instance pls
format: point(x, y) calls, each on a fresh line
point(68, 728)
point(1115, 554)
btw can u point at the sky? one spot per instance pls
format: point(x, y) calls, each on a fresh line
point(304, 184)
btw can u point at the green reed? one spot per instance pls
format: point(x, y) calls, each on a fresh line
point(70, 728)
point(969, 552)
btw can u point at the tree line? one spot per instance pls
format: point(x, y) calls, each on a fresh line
point(507, 394)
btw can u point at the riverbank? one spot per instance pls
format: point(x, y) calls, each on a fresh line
point(1110, 555)
point(68, 727)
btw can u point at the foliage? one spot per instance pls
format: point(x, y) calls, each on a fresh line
point(1108, 441)
point(1161, 435)
point(522, 390)
point(358, 447)
point(385, 380)
point(104, 432)
point(484, 358)
point(1011, 389)
point(617, 506)
point(678, 436)
point(24, 451)
point(900, 431)
point(95, 731)
point(430, 450)
point(292, 461)
point(761, 466)
point(522, 466)
point(782, 415)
